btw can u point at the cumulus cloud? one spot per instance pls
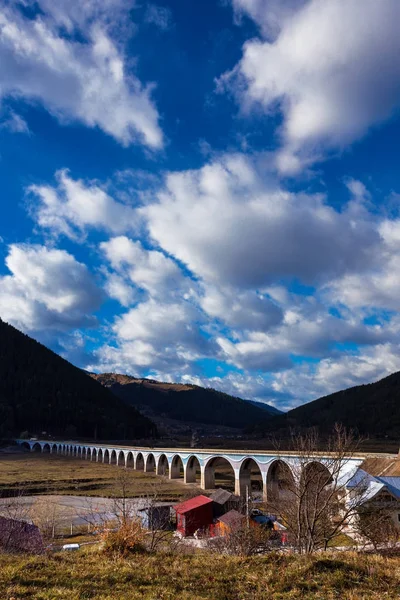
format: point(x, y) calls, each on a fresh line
point(332, 74)
point(270, 15)
point(157, 336)
point(74, 206)
point(245, 310)
point(86, 80)
point(46, 289)
point(310, 381)
point(149, 270)
point(379, 286)
point(229, 225)
point(311, 332)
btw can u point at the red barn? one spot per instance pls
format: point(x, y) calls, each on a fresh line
point(196, 513)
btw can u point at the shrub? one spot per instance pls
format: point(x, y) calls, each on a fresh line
point(127, 539)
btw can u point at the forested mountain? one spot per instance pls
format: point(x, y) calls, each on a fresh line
point(183, 402)
point(372, 409)
point(40, 391)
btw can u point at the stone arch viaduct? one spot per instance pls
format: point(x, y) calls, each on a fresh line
point(186, 463)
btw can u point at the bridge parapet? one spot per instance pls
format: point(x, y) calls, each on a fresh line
point(192, 464)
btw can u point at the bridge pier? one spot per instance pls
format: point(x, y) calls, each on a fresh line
point(207, 481)
point(267, 473)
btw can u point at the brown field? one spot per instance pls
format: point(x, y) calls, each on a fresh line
point(51, 474)
point(90, 574)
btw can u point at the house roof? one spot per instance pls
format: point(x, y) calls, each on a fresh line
point(221, 496)
point(233, 518)
point(386, 466)
point(191, 504)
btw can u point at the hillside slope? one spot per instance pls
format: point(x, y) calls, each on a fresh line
point(372, 409)
point(184, 402)
point(40, 391)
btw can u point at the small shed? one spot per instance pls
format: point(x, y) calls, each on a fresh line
point(194, 514)
point(224, 501)
point(230, 521)
point(20, 536)
point(156, 516)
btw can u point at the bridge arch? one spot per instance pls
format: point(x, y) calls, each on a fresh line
point(26, 446)
point(93, 454)
point(150, 463)
point(280, 482)
point(139, 464)
point(314, 477)
point(121, 458)
point(130, 461)
point(221, 469)
point(162, 467)
point(176, 468)
point(46, 448)
point(250, 478)
point(54, 449)
point(113, 457)
point(193, 470)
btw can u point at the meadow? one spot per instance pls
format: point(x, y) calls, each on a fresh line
point(31, 473)
point(93, 575)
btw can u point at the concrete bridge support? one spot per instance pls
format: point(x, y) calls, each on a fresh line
point(176, 467)
point(258, 472)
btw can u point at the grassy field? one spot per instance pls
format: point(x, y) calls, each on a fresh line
point(51, 474)
point(198, 577)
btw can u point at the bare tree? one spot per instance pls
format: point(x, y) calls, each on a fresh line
point(16, 510)
point(375, 527)
point(49, 515)
point(159, 527)
point(244, 540)
point(318, 496)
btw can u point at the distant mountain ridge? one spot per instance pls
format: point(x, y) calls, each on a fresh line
point(372, 409)
point(185, 402)
point(40, 391)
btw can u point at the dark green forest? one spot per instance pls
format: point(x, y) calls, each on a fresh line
point(373, 410)
point(194, 405)
point(42, 392)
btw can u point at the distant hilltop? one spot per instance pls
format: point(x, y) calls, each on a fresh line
point(176, 406)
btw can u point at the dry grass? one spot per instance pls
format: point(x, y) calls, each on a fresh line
point(52, 474)
point(93, 575)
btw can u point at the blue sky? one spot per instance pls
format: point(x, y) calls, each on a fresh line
point(204, 192)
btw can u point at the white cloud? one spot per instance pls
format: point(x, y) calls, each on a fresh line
point(379, 286)
point(331, 73)
point(311, 332)
point(47, 289)
point(159, 16)
point(156, 337)
point(117, 288)
point(87, 81)
point(229, 225)
point(73, 206)
point(308, 382)
point(15, 123)
point(245, 310)
point(270, 15)
point(150, 270)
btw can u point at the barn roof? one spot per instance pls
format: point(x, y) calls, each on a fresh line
point(221, 496)
point(191, 504)
point(233, 518)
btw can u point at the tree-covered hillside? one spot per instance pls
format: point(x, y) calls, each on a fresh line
point(185, 402)
point(373, 410)
point(40, 391)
